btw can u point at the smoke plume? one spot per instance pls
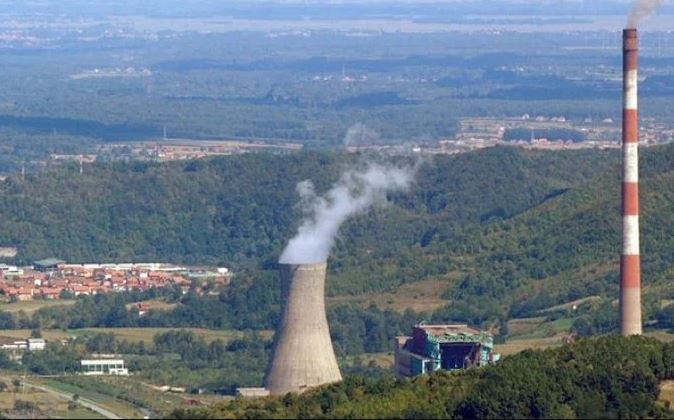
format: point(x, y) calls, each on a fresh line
point(360, 134)
point(640, 10)
point(355, 192)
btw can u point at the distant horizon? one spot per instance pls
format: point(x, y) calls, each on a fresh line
point(218, 8)
point(408, 16)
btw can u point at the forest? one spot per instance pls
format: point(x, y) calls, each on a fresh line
point(609, 377)
point(506, 232)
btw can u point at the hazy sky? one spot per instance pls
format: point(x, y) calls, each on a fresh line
point(293, 9)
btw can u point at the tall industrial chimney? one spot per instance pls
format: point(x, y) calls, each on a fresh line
point(630, 263)
point(303, 352)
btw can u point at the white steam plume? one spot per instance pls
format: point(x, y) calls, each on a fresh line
point(642, 9)
point(360, 134)
point(354, 193)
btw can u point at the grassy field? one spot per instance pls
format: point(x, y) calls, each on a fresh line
point(515, 346)
point(156, 304)
point(663, 335)
point(423, 296)
point(534, 333)
point(119, 407)
point(383, 360)
point(123, 393)
point(130, 334)
point(33, 305)
point(51, 405)
point(523, 326)
point(571, 305)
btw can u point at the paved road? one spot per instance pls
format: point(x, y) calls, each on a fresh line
point(82, 401)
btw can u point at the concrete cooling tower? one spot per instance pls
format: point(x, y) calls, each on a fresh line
point(303, 353)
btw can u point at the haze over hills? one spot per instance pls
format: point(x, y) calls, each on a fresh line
point(284, 9)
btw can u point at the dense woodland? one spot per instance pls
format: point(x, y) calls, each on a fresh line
point(611, 377)
point(507, 223)
point(508, 232)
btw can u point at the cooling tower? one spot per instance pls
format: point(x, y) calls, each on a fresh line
point(303, 353)
point(630, 270)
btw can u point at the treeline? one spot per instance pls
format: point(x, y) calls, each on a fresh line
point(609, 377)
point(242, 307)
point(27, 150)
point(355, 330)
point(175, 357)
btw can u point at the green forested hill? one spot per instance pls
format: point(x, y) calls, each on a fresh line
point(611, 377)
point(508, 223)
point(241, 208)
point(570, 247)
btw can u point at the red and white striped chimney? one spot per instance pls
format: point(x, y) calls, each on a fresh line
point(630, 263)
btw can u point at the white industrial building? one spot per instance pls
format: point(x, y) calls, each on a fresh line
point(104, 367)
point(30, 344)
point(36, 344)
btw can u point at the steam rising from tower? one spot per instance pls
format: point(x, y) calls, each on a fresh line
point(640, 10)
point(354, 193)
point(630, 261)
point(303, 352)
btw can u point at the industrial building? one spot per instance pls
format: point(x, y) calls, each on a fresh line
point(48, 265)
point(448, 347)
point(104, 367)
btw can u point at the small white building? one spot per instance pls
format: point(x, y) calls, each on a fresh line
point(11, 344)
point(19, 346)
point(104, 367)
point(36, 344)
point(252, 392)
point(10, 270)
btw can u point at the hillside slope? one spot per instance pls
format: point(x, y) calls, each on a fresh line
point(569, 247)
point(241, 210)
point(520, 230)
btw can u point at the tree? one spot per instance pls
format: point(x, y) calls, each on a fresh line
point(36, 332)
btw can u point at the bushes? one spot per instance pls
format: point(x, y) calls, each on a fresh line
point(56, 359)
point(608, 377)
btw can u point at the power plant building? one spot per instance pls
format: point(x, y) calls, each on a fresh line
point(447, 347)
